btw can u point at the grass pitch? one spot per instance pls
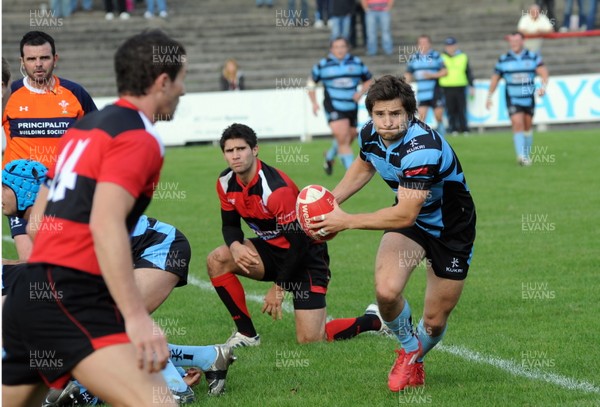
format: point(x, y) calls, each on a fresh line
point(524, 333)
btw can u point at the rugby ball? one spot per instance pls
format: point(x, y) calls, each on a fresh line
point(314, 200)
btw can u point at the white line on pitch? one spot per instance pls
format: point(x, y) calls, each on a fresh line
point(462, 352)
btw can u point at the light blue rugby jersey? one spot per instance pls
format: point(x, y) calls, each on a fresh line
point(423, 160)
point(340, 79)
point(518, 70)
point(419, 64)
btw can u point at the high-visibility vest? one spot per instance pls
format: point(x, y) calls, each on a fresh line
point(457, 70)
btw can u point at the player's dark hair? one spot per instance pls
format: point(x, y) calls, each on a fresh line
point(520, 34)
point(390, 87)
point(5, 72)
point(143, 58)
point(37, 38)
point(338, 39)
point(425, 36)
point(237, 130)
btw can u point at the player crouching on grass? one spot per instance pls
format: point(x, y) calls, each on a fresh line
point(433, 218)
point(156, 247)
point(21, 180)
point(265, 198)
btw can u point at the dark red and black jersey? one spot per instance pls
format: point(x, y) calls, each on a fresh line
point(266, 204)
point(118, 144)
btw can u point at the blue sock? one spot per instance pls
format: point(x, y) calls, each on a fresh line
point(85, 397)
point(332, 152)
point(198, 356)
point(427, 342)
point(347, 160)
point(528, 137)
point(181, 371)
point(519, 140)
point(441, 129)
point(403, 329)
point(173, 378)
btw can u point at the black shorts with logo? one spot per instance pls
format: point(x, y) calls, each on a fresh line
point(308, 289)
point(438, 99)
point(53, 318)
point(334, 115)
point(450, 257)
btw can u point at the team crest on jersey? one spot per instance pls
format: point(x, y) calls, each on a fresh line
point(63, 103)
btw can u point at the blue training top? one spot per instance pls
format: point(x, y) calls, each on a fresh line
point(518, 70)
point(419, 64)
point(340, 79)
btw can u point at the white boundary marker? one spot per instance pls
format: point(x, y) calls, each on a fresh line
point(464, 353)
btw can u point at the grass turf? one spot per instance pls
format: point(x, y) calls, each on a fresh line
point(530, 298)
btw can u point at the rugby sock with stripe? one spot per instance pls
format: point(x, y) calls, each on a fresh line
point(332, 152)
point(402, 327)
point(427, 342)
point(347, 160)
point(198, 356)
point(173, 378)
point(232, 294)
point(346, 328)
point(519, 140)
point(528, 136)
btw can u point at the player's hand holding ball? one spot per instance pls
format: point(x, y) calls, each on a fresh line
point(318, 213)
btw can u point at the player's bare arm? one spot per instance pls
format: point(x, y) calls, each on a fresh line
point(37, 212)
point(357, 176)
point(542, 71)
point(363, 90)
point(402, 215)
point(493, 85)
point(111, 205)
point(408, 77)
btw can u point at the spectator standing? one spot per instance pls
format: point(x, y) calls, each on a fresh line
point(294, 11)
point(109, 6)
point(86, 5)
point(455, 84)
point(534, 23)
point(321, 13)
point(547, 6)
point(160, 4)
point(378, 18)
point(567, 16)
point(359, 13)
point(591, 16)
point(341, 17)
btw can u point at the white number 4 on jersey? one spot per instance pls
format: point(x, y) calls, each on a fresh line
point(65, 176)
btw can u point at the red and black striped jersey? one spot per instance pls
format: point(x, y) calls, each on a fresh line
point(118, 144)
point(266, 204)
